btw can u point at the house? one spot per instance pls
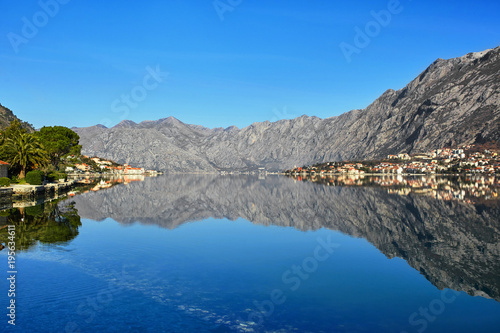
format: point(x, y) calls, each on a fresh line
point(4, 169)
point(83, 167)
point(404, 156)
point(134, 171)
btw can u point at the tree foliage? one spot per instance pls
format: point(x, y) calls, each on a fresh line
point(13, 130)
point(59, 141)
point(23, 151)
point(26, 151)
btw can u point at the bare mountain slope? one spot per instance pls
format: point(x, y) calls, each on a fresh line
point(7, 116)
point(453, 102)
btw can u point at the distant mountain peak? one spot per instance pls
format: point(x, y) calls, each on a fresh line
point(171, 120)
point(231, 128)
point(480, 54)
point(125, 124)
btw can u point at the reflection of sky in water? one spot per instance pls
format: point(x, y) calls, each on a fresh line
point(212, 276)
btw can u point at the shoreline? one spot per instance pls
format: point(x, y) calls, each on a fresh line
point(390, 174)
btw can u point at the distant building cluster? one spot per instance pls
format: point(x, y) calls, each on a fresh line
point(439, 161)
point(107, 166)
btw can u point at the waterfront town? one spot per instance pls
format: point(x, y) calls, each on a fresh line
point(96, 164)
point(469, 159)
point(469, 174)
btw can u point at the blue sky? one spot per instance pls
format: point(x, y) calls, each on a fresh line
point(88, 62)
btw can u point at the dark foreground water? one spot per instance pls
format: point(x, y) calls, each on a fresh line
point(215, 254)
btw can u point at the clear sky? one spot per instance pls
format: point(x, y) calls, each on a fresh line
point(229, 62)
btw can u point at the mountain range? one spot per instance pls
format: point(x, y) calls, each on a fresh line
point(453, 102)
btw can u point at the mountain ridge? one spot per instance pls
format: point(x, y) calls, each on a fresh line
point(7, 116)
point(452, 102)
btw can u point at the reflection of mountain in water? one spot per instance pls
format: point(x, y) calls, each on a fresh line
point(453, 244)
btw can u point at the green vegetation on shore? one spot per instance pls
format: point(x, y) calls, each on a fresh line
point(48, 154)
point(42, 151)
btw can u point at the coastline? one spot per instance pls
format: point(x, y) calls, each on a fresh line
point(386, 174)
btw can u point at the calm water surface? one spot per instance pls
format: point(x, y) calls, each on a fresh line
point(239, 254)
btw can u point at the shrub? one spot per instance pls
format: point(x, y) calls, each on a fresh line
point(34, 177)
point(4, 181)
point(55, 176)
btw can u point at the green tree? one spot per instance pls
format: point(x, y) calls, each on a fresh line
point(15, 129)
point(23, 151)
point(59, 141)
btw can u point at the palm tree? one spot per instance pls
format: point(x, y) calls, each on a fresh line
point(24, 151)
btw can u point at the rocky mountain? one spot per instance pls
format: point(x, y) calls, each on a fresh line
point(453, 244)
point(6, 116)
point(453, 102)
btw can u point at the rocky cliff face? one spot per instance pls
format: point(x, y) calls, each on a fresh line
point(6, 116)
point(453, 102)
point(453, 244)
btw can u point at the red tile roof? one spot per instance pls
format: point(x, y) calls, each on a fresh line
point(4, 163)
